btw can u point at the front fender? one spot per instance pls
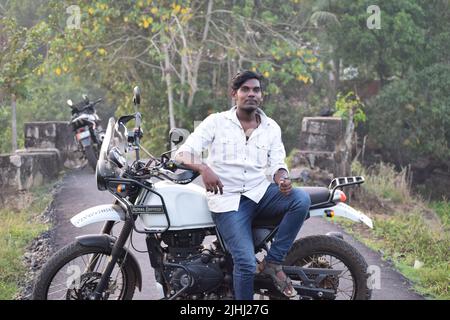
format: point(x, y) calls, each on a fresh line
point(106, 242)
point(105, 212)
point(342, 210)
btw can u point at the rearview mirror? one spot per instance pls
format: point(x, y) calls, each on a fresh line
point(69, 102)
point(178, 136)
point(85, 98)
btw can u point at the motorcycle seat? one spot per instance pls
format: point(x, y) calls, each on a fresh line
point(317, 195)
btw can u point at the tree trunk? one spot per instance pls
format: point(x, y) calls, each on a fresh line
point(336, 81)
point(14, 123)
point(346, 159)
point(196, 65)
point(168, 77)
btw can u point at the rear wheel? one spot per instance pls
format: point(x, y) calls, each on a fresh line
point(91, 156)
point(332, 253)
point(74, 272)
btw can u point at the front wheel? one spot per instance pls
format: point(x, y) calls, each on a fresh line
point(74, 272)
point(333, 253)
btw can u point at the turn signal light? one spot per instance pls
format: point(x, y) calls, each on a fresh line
point(343, 197)
point(329, 213)
point(121, 188)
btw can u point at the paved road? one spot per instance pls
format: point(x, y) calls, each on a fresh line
point(79, 192)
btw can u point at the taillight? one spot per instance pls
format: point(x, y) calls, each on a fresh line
point(339, 196)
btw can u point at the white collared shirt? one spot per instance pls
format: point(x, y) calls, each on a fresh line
point(242, 165)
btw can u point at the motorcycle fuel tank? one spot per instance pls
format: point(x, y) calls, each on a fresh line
point(185, 204)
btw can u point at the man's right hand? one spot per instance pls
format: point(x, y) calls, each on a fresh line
point(211, 180)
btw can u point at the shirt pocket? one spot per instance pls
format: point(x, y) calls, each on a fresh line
point(261, 153)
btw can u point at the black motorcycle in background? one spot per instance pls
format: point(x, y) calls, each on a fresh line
point(85, 124)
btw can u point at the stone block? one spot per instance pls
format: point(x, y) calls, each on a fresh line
point(47, 134)
point(24, 170)
point(319, 143)
point(52, 135)
point(321, 133)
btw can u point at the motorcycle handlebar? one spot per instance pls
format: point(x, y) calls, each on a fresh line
point(81, 108)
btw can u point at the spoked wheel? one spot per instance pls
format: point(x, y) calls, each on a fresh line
point(331, 253)
point(74, 272)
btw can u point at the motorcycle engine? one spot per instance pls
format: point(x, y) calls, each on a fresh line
point(201, 275)
point(198, 272)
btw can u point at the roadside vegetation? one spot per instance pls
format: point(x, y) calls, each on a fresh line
point(17, 230)
point(408, 231)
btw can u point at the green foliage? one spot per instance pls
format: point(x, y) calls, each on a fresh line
point(384, 182)
point(20, 54)
point(388, 51)
point(410, 118)
point(442, 208)
point(350, 104)
point(133, 38)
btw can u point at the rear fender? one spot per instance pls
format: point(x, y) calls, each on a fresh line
point(342, 210)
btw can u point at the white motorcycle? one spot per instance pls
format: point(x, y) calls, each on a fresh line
point(175, 218)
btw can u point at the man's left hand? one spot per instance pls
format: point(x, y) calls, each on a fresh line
point(285, 185)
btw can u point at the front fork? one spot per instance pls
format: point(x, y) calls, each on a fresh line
point(107, 227)
point(115, 254)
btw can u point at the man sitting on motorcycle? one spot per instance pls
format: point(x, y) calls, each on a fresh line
point(244, 147)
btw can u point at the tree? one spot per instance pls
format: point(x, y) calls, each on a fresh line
point(194, 47)
point(349, 107)
point(19, 55)
point(390, 51)
point(410, 120)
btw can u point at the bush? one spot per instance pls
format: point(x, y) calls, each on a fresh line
point(410, 118)
point(384, 182)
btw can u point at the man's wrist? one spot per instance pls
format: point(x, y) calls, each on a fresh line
point(202, 167)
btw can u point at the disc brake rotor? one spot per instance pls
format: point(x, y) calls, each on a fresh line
point(83, 289)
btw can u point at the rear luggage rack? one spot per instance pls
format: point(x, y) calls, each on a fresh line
point(345, 181)
point(342, 182)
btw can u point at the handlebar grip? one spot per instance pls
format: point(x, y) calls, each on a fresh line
point(174, 165)
point(95, 102)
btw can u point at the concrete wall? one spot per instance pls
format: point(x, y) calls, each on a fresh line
point(320, 144)
point(24, 170)
point(49, 147)
point(54, 135)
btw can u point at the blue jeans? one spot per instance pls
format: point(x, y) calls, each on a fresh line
point(235, 227)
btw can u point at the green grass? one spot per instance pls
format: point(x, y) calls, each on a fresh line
point(442, 208)
point(405, 238)
point(384, 182)
point(17, 230)
point(405, 234)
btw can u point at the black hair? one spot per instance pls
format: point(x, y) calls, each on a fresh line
point(242, 76)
